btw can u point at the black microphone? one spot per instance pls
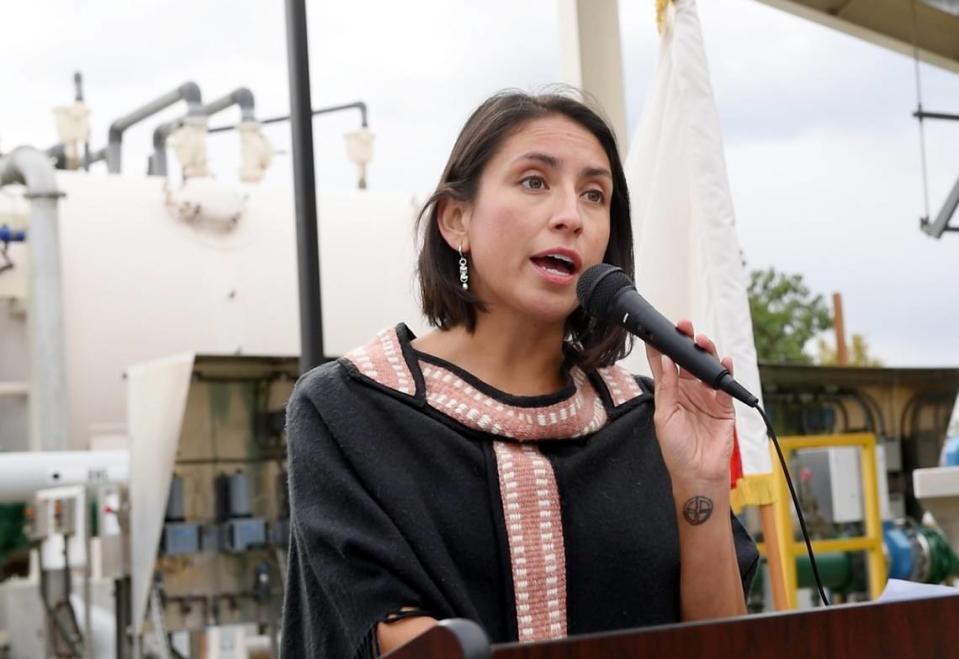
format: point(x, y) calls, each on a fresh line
point(606, 292)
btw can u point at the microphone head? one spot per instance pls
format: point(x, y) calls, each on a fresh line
point(597, 287)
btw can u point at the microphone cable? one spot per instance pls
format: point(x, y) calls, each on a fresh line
point(795, 499)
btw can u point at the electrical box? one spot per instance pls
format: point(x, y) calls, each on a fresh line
point(60, 522)
point(832, 476)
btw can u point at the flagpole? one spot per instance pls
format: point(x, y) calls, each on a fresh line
point(774, 556)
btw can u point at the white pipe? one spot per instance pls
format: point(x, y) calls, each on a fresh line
point(23, 474)
point(48, 397)
point(14, 389)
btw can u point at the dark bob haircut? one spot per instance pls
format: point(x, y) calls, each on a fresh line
point(445, 303)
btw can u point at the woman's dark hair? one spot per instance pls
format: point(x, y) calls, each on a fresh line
point(445, 303)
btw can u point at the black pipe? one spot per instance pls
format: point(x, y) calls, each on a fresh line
point(359, 105)
point(874, 404)
point(922, 114)
point(304, 186)
point(872, 426)
point(78, 97)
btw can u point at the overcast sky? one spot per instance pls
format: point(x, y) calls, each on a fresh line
point(822, 150)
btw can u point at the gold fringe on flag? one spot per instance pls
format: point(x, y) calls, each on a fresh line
point(661, 14)
point(753, 490)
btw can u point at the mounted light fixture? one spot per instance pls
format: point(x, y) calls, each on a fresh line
point(256, 151)
point(73, 127)
point(189, 145)
point(359, 148)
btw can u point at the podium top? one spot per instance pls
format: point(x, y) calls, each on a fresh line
point(895, 630)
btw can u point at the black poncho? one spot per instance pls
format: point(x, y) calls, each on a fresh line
point(395, 490)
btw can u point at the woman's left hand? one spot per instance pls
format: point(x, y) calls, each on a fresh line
point(694, 422)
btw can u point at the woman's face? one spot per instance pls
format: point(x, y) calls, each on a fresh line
point(540, 218)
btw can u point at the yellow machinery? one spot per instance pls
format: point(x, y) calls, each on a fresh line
point(871, 542)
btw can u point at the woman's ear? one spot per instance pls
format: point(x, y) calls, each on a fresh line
point(453, 220)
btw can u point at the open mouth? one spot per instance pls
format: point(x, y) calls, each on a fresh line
point(555, 264)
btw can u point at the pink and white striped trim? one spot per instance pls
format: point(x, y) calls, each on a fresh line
point(621, 384)
point(579, 415)
point(534, 528)
point(382, 360)
point(582, 413)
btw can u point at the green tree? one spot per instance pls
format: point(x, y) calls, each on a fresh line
point(785, 316)
point(858, 353)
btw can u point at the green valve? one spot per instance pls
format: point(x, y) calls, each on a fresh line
point(943, 562)
point(834, 568)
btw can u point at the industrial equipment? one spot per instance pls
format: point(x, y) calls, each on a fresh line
point(209, 518)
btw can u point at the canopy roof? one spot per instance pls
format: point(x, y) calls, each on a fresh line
point(889, 23)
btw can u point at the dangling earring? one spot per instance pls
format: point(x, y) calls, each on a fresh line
point(464, 270)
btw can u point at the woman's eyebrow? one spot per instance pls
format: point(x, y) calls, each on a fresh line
point(550, 161)
point(555, 163)
point(591, 172)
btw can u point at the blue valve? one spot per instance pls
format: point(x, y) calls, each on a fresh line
point(8, 235)
point(950, 453)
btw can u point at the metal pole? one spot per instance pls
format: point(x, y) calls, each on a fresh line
point(842, 352)
point(87, 576)
point(304, 186)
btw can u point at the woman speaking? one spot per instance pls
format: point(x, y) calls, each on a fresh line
point(502, 468)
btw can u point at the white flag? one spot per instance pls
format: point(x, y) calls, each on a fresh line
point(688, 259)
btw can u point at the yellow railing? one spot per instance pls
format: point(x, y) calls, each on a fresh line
point(871, 543)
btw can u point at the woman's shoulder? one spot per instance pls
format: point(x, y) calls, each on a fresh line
point(313, 393)
point(381, 360)
point(321, 380)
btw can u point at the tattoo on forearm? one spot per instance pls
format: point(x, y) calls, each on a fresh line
point(697, 510)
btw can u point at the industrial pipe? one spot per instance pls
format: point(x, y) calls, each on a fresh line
point(58, 155)
point(22, 475)
point(14, 389)
point(78, 97)
point(241, 97)
point(48, 396)
point(188, 91)
point(835, 568)
point(358, 105)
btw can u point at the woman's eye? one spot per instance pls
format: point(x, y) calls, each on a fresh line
point(533, 183)
point(595, 196)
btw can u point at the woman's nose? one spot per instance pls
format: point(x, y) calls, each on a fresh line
point(566, 214)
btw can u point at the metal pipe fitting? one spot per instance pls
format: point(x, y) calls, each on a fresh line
point(241, 97)
point(188, 91)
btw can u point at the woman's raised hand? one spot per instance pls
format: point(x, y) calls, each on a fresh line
point(694, 422)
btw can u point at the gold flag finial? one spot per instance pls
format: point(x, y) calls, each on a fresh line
point(661, 14)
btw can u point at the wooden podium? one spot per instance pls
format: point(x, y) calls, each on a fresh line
point(925, 629)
